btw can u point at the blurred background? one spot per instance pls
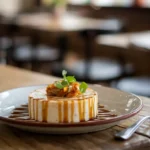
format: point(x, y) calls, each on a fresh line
point(98, 41)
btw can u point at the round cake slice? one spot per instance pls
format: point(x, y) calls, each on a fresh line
point(45, 106)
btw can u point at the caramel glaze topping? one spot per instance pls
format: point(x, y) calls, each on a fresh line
point(33, 109)
point(45, 110)
point(36, 118)
point(59, 111)
point(65, 120)
point(63, 107)
point(81, 109)
point(22, 113)
point(72, 110)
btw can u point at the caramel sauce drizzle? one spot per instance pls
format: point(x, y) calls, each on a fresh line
point(36, 118)
point(83, 110)
point(59, 111)
point(91, 109)
point(93, 100)
point(29, 108)
point(45, 110)
point(22, 113)
point(33, 109)
point(79, 109)
point(72, 111)
point(65, 111)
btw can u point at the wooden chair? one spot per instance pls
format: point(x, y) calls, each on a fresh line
point(104, 68)
point(28, 50)
point(93, 69)
point(139, 56)
point(137, 85)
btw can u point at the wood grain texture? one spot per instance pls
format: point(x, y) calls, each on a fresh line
point(11, 77)
point(14, 139)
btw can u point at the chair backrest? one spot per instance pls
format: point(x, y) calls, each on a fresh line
point(140, 58)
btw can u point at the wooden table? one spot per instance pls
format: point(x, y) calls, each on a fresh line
point(66, 29)
point(13, 139)
point(69, 22)
point(140, 39)
point(69, 25)
point(133, 47)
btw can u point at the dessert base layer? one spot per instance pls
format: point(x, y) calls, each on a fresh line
point(62, 110)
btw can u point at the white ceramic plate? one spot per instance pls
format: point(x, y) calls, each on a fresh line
point(124, 104)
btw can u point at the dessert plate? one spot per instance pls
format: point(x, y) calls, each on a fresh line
point(114, 106)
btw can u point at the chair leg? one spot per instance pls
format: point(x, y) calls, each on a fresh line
point(63, 47)
point(88, 40)
point(34, 43)
point(1, 52)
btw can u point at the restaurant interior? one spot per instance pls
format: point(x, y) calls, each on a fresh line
point(105, 42)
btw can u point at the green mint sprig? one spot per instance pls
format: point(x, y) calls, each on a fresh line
point(67, 80)
point(83, 86)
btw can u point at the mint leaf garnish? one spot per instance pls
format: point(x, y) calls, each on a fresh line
point(59, 85)
point(83, 87)
point(70, 79)
point(64, 83)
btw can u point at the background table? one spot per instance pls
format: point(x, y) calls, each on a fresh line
point(72, 30)
point(124, 40)
point(134, 48)
point(69, 22)
point(13, 139)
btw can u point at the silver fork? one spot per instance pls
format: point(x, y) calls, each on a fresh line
point(128, 132)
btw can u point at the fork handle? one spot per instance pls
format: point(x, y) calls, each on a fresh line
point(128, 132)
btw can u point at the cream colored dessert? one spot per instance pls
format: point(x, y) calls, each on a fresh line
point(54, 109)
point(64, 101)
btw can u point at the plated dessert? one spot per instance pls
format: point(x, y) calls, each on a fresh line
point(64, 101)
point(56, 112)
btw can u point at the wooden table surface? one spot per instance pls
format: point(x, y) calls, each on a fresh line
point(68, 22)
point(13, 139)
